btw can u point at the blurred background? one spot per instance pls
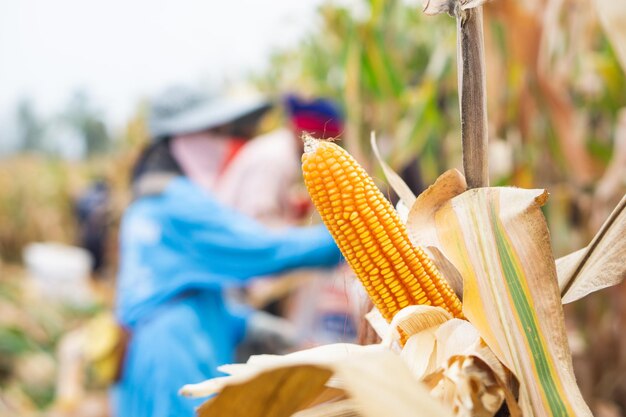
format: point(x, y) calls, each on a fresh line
point(75, 79)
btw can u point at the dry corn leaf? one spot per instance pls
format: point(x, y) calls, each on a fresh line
point(469, 385)
point(455, 337)
point(344, 408)
point(329, 395)
point(599, 265)
point(420, 354)
point(433, 338)
point(460, 337)
point(320, 354)
point(447, 269)
point(432, 7)
point(378, 382)
point(413, 320)
point(378, 322)
point(382, 385)
point(449, 184)
point(422, 323)
point(273, 393)
point(395, 181)
point(498, 240)
point(459, 343)
point(214, 385)
point(241, 373)
point(418, 323)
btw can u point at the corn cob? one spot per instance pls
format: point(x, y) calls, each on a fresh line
point(370, 234)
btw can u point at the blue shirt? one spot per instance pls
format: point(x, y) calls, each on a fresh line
point(179, 250)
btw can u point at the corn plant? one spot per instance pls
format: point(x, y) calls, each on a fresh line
point(498, 346)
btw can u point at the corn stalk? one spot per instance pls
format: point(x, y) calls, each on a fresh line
point(472, 94)
point(472, 84)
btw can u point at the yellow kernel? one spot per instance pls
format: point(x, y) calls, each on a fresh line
point(374, 250)
point(387, 247)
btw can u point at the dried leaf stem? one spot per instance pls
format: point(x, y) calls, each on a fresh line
point(472, 94)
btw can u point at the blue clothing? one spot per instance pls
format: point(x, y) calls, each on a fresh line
point(180, 249)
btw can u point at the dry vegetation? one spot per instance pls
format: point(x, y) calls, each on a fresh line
point(555, 101)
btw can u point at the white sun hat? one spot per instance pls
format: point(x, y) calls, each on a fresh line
point(181, 109)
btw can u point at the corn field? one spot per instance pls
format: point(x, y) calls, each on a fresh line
point(555, 98)
point(478, 290)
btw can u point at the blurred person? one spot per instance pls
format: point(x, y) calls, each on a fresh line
point(264, 181)
point(181, 248)
point(264, 177)
point(92, 214)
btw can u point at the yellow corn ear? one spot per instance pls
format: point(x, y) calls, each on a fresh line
point(370, 234)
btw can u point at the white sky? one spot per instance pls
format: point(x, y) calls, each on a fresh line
point(121, 50)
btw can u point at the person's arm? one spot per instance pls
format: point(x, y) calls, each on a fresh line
point(233, 245)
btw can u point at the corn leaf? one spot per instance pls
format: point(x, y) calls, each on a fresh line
point(431, 7)
point(449, 271)
point(420, 353)
point(434, 338)
point(599, 265)
point(241, 373)
point(417, 318)
point(382, 385)
point(274, 393)
point(395, 181)
point(378, 382)
point(344, 408)
point(498, 240)
point(459, 341)
point(470, 386)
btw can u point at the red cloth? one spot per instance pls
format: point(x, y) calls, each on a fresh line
point(317, 126)
point(233, 148)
